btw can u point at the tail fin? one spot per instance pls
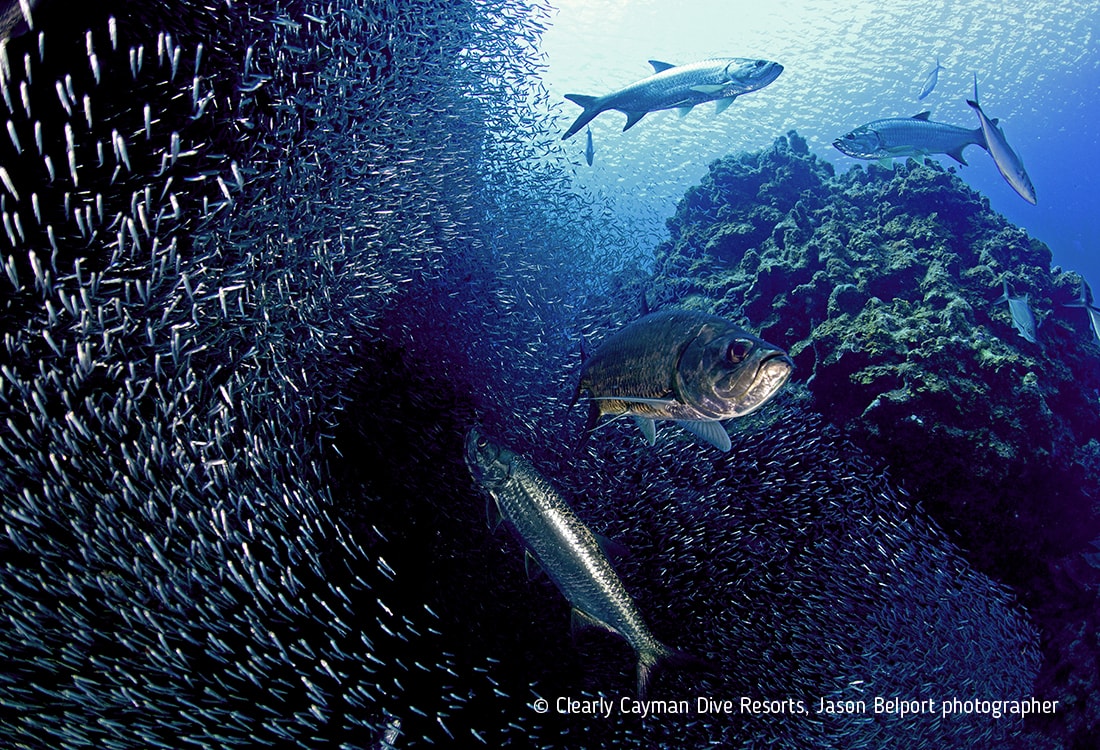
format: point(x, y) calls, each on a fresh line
point(651, 661)
point(591, 109)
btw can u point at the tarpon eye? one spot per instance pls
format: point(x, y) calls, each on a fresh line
point(738, 350)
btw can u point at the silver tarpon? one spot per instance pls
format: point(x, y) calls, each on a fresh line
point(589, 149)
point(720, 79)
point(1008, 163)
point(565, 548)
point(908, 136)
point(1093, 312)
point(693, 368)
point(1022, 317)
point(930, 80)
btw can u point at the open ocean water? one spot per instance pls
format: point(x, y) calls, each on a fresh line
point(267, 264)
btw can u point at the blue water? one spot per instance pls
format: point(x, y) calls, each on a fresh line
point(846, 64)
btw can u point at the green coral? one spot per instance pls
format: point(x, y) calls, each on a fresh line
point(882, 284)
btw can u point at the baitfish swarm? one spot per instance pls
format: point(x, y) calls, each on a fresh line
point(233, 503)
point(199, 223)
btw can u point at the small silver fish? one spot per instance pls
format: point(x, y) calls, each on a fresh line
point(1022, 317)
point(589, 149)
point(565, 548)
point(1008, 163)
point(720, 79)
point(930, 80)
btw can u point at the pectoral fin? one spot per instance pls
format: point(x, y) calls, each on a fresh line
point(684, 111)
point(721, 105)
point(530, 565)
point(712, 432)
point(646, 426)
point(708, 88)
point(493, 516)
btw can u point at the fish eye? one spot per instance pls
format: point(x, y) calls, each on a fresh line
point(738, 350)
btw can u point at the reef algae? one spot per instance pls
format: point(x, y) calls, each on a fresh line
point(883, 283)
point(884, 286)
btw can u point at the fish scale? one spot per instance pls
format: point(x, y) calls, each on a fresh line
point(908, 136)
point(681, 365)
point(679, 86)
point(563, 546)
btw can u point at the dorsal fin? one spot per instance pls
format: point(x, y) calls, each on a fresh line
point(659, 67)
point(923, 115)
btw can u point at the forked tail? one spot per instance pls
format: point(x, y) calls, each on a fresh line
point(591, 109)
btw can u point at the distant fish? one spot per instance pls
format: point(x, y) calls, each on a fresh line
point(566, 549)
point(16, 18)
point(908, 136)
point(930, 80)
point(589, 149)
point(1008, 163)
point(1022, 317)
point(687, 366)
point(720, 79)
point(1085, 301)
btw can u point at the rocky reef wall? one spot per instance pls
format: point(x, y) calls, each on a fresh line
point(884, 284)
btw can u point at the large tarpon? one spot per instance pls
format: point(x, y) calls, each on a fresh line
point(1008, 163)
point(720, 79)
point(683, 365)
point(565, 548)
point(1085, 301)
point(908, 136)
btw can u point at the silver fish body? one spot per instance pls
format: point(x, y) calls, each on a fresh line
point(1023, 319)
point(563, 546)
point(589, 149)
point(930, 80)
point(720, 79)
point(1084, 300)
point(683, 365)
point(908, 136)
point(1008, 163)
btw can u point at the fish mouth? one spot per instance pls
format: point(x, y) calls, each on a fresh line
point(775, 369)
point(772, 373)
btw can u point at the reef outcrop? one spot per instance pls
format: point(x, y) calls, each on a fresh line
point(883, 284)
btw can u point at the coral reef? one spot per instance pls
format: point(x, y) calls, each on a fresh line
point(883, 285)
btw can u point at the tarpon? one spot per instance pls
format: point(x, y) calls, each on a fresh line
point(683, 365)
point(1085, 301)
point(1008, 163)
point(565, 548)
point(930, 80)
point(589, 149)
point(720, 79)
point(1022, 317)
point(908, 136)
